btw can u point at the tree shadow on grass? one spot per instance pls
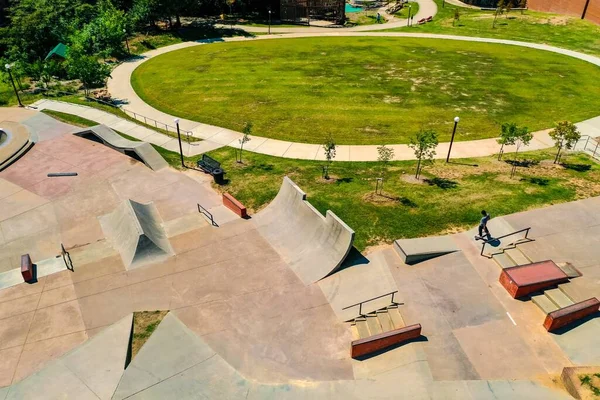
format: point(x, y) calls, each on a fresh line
point(536, 180)
point(339, 181)
point(522, 163)
point(442, 183)
point(577, 167)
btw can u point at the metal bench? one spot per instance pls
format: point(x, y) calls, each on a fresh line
point(208, 164)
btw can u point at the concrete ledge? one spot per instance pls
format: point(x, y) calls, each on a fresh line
point(522, 280)
point(564, 316)
point(381, 341)
point(570, 378)
point(231, 202)
point(413, 251)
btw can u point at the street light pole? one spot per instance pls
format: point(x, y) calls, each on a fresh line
point(126, 41)
point(456, 119)
point(269, 22)
point(179, 138)
point(7, 66)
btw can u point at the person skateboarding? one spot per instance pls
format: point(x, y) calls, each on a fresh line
point(483, 226)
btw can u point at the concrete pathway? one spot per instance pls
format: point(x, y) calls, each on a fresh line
point(214, 137)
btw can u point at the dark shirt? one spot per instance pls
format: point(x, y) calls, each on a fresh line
point(485, 220)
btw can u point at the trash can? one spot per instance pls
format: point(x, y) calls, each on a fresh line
point(218, 176)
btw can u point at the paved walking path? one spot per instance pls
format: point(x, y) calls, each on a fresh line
point(214, 137)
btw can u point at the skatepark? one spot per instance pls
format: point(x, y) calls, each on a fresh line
point(278, 305)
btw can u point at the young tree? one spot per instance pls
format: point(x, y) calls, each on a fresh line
point(565, 136)
point(522, 138)
point(507, 137)
point(329, 147)
point(499, 10)
point(456, 16)
point(424, 144)
point(246, 138)
point(386, 154)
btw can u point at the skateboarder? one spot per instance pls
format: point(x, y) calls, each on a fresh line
point(483, 226)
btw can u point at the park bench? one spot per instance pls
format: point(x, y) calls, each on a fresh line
point(422, 21)
point(429, 19)
point(208, 164)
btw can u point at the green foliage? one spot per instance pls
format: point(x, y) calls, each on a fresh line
point(245, 138)
point(329, 148)
point(565, 136)
point(385, 155)
point(105, 34)
point(512, 134)
point(424, 144)
point(87, 69)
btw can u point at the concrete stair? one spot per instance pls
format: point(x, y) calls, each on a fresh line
point(517, 256)
point(511, 257)
point(503, 260)
point(552, 300)
point(384, 320)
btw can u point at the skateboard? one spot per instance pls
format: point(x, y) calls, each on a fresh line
point(477, 237)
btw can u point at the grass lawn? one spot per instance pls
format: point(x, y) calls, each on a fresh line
point(448, 200)
point(144, 325)
point(366, 90)
point(558, 30)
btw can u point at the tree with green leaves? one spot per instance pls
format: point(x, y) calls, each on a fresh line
point(245, 138)
point(329, 147)
point(500, 8)
point(565, 136)
point(87, 69)
point(456, 16)
point(385, 155)
point(424, 144)
point(512, 134)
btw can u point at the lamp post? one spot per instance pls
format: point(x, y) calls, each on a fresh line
point(179, 138)
point(408, 20)
point(456, 119)
point(7, 66)
point(126, 41)
point(269, 22)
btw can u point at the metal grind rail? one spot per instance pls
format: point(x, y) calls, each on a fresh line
point(207, 214)
point(525, 238)
point(360, 314)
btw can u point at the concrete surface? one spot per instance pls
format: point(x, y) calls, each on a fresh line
point(143, 151)
point(313, 245)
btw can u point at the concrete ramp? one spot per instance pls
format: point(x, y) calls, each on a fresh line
point(314, 246)
point(141, 151)
point(413, 251)
point(134, 229)
point(90, 371)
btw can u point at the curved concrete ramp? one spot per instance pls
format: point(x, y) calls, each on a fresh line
point(135, 231)
point(314, 246)
point(141, 151)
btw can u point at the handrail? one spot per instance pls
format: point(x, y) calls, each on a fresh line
point(66, 256)
point(374, 298)
point(207, 213)
point(526, 230)
point(594, 144)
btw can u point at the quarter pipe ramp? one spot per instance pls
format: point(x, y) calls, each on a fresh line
point(135, 231)
point(313, 245)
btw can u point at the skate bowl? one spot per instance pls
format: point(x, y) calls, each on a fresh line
point(312, 244)
point(134, 229)
point(15, 140)
point(140, 151)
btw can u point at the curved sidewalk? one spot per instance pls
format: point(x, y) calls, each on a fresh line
point(120, 88)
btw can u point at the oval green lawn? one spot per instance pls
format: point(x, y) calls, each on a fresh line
point(369, 90)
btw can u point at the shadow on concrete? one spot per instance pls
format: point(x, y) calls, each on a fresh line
point(353, 259)
point(575, 324)
point(395, 346)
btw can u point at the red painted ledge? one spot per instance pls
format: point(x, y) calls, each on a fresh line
point(566, 315)
point(381, 341)
point(230, 202)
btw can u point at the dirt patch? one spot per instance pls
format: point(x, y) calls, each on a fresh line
point(386, 199)
point(144, 324)
point(552, 381)
point(411, 179)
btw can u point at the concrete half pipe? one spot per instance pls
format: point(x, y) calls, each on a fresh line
point(314, 246)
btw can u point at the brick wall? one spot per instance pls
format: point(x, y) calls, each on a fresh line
point(572, 7)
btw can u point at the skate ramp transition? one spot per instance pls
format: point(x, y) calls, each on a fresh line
point(134, 229)
point(141, 151)
point(313, 245)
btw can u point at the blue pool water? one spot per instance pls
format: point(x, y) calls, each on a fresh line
point(351, 8)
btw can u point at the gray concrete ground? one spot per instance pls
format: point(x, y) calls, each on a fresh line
point(255, 328)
